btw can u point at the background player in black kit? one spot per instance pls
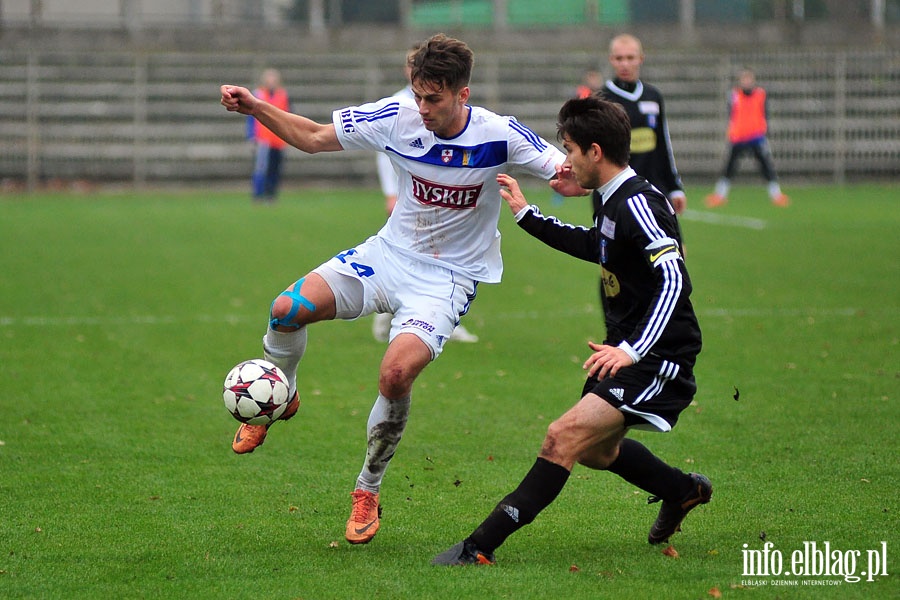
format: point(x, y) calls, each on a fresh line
point(651, 148)
point(642, 374)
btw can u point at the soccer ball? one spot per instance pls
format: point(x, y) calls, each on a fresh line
point(256, 392)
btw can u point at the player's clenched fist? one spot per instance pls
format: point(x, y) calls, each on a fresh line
point(238, 99)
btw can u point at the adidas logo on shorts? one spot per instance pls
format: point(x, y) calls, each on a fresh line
point(618, 393)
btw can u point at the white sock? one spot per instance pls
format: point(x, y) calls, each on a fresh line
point(774, 190)
point(385, 428)
point(285, 349)
point(723, 186)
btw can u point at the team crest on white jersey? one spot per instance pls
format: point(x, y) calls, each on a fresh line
point(447, 155)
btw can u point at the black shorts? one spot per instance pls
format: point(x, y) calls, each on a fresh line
point(651, 394)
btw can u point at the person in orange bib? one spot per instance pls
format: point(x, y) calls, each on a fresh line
point(747, 129)
point(266, 176)
point(591, 83)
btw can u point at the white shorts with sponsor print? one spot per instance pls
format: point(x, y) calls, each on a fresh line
point(426, 299)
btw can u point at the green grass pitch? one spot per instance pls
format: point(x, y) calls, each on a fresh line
point(120, 315)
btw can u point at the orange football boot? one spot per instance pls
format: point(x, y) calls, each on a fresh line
point(365, 517)
point(715, 201)
point(248, 437)
point(781, 200)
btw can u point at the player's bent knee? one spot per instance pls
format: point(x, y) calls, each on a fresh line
point(557, 445)
point(286, 307)
point(395, 380)
point(406, 357)
point(281, 307)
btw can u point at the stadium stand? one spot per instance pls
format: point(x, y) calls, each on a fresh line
point(152, 117)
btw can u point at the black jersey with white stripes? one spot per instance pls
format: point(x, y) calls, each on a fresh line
point(651, 146)
point(646, 288)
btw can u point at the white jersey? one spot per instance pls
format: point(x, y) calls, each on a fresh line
point(387, 175)
point(449, 200)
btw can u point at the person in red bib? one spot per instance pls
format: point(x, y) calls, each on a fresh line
point(747, 129)
point(266, 176)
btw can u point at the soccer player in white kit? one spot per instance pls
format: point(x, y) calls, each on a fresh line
point(388, 179)
point(424, 265)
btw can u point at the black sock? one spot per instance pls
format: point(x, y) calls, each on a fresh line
point(638, 466)
point(537, 490)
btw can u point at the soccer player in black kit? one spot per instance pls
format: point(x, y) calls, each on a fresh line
point(651, 148)
point(641, 376)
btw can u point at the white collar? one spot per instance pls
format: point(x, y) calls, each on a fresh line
point(632, 96)
point(606, 190)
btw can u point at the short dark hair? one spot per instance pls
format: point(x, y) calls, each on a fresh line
point(442, 61)
point(594, 120)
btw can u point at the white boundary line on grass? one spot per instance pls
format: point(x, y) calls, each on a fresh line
point(722, 313)
point(135, 320)
point(529, 315)
point(720, 219)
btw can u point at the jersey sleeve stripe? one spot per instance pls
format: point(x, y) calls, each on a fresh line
point(533, 138)
point(387, 107)
point(645, 218)
point(551, 219)
point(388, 110)
point(360, 118)
point(673, 283)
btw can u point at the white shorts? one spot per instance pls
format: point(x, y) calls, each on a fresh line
point(426, 299)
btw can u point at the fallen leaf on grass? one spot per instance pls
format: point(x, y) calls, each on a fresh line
point(334, 544)
point(574, 569)
point(714, 592)
point(671, 551)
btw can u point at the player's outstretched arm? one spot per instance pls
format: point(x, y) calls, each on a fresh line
point(238, 99)
point(511, 193)
point(580, 242)
point(298, 131)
